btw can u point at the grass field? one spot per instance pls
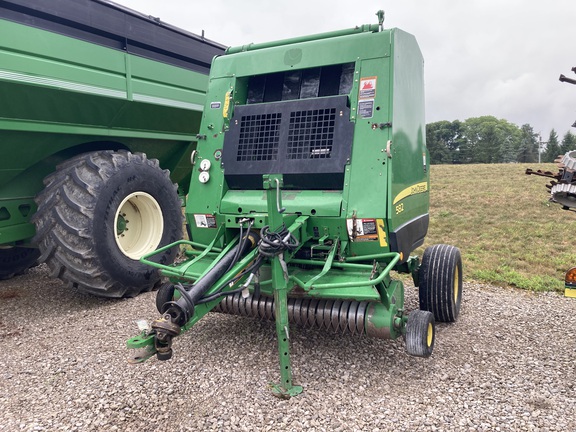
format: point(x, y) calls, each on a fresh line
point(501, 219)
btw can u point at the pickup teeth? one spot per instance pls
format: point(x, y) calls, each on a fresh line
point(339, 316)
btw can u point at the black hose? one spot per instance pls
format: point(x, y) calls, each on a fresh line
point(273, 243)
point(181, 310)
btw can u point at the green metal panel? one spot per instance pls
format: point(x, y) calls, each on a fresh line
point(410, 160)
point(386, 180)
point(63, 96)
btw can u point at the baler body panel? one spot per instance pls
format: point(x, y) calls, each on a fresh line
point(370, 183)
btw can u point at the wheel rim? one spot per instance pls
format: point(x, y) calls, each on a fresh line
point(430, 335)
point(456, 285)
point(139, 225)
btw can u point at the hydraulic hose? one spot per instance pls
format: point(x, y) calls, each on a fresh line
point(181, 310)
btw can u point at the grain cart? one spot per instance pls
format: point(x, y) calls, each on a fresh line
point(311, 184)
point(98, 103)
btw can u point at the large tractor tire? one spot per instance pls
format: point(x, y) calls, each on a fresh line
point(440, 282)
point(16, 260)
point(99, 213)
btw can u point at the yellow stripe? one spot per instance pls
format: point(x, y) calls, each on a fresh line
point(570, 292)
point(417, 188)
point(381, 232)
point(226, 108)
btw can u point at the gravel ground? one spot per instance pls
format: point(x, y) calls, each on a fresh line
point(507, 364)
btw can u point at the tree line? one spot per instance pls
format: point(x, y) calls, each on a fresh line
point(487, 139)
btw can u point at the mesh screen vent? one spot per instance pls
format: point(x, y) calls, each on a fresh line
point(311, 134)
point(259, 137)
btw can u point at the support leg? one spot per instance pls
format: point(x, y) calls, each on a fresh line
point(285, 389)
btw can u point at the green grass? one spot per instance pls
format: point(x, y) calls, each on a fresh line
point(500, 218)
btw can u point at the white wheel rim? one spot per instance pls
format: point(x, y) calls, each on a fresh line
point(139, 225)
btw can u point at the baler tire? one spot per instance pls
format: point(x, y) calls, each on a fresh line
point(15, 261)
point(420, 333)
point(440, 277)
point(83, 213)
point(164, 295)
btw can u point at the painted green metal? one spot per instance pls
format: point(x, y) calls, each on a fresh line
point(352, 233)
point(328, 35)
point(272, 185)
point(63, 96)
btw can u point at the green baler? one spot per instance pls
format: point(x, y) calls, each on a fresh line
point(311, 184)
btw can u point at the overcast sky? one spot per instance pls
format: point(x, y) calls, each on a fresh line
point(482, 57)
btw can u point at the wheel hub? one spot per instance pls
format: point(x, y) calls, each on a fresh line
point(139, 225)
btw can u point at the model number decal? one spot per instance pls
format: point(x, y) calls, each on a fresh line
point(415, 189)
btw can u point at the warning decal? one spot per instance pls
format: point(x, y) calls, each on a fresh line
point(205, 221)
point(367, 88)
point(366, 108)
point(362, 229)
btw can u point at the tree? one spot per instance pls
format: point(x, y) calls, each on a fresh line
point(490, 140)
point(568, 143)
point(552, 148)
point(527, 151)
point(443, 140)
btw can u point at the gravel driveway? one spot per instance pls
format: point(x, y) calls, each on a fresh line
point(507, 364)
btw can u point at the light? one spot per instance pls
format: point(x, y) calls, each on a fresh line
point(571, 277)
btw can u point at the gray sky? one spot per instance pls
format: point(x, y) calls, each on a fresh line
point(482, 57)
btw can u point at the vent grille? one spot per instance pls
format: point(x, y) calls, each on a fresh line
point(259, 137)
point(308, 141)
point(311, 134)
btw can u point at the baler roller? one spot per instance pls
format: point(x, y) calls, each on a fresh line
point(339, 316)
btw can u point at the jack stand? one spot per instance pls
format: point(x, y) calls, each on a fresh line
point(285, 390)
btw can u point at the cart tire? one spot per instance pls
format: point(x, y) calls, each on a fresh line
point(99, 213)
point(15, 261)
point(440, 276)
point(420, 333)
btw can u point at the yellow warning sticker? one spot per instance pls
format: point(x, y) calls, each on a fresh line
point(381, 232)
point(226, 107)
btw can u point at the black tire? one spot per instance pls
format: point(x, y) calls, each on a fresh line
point(440, 277)
point(15, 261)
point(420, 333)
point(82, 222)
point(164, 295)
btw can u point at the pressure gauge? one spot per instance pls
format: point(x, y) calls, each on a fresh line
point(204, 177)
point(205, 165)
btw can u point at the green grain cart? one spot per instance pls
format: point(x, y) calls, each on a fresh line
point(311, 185)
point(100, 107)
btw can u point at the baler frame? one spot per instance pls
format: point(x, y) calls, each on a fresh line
point(382, 325)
